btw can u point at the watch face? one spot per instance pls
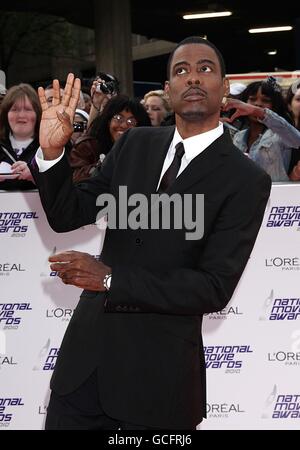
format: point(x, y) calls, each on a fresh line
point(107, 281)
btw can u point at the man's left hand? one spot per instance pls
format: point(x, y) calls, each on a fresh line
point(80, 269)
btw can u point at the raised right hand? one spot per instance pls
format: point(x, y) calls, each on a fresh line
point(56, 125)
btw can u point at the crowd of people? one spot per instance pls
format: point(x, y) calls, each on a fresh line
point(264, 123)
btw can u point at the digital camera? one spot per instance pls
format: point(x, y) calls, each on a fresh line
point(79, 127)
point(108, 84)
point(105, 87)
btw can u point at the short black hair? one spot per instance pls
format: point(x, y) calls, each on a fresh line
point(197, 40)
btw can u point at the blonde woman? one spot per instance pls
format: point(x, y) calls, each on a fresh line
point(157, 106)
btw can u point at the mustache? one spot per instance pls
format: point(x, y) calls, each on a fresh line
point(194, 90)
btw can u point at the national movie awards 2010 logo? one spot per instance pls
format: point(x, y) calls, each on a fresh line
point(47, 357)
point(12, 313)
point(229, 358)
point(16, 223)
point(284, 216)
point(281, 405)
point(280, 308)
point(8, 407)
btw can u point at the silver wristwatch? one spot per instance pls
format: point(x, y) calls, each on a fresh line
point(107, 281)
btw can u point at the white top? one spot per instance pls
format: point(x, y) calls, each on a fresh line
point(19, 146)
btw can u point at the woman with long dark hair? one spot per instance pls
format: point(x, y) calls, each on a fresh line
point(269, 135)
point(119, 114)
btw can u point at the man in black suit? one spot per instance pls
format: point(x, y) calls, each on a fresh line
point(132, 356)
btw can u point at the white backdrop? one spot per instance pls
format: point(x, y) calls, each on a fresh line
point(252, 346)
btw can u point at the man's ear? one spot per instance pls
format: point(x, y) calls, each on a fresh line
point(226, 84)
point(167, 87)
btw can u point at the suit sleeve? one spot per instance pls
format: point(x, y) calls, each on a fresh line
point(69, 206)
point(210, 286)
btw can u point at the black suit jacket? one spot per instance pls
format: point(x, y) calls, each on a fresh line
point(146, 341)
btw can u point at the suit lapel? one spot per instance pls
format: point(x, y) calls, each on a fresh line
point(199, 168)
point(159, 147)
point(204, 164)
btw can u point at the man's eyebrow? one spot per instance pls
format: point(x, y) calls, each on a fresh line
point(201, 61)
point(207, 61)
point(179, 63)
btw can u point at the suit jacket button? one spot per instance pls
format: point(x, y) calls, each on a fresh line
point(138, 241)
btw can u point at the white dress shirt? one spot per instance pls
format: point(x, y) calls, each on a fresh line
point(193, 146)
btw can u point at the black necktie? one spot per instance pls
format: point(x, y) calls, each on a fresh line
point(170, 174)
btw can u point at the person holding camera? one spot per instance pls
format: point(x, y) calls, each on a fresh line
point(79, 125)
point(119, 114)
point(104, 87)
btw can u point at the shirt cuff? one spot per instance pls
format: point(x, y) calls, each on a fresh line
point(43, 164)
point(266, 119)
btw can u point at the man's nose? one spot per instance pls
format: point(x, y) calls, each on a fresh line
point(193, 80)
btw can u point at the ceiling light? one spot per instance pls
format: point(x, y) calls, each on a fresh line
point(270, 29)
point(207, 15)
point(272, 52)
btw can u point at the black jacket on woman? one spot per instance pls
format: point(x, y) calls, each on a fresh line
point(26, 155)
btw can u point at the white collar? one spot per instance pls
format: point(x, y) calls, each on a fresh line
point(194, 145)
point(19, 145)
